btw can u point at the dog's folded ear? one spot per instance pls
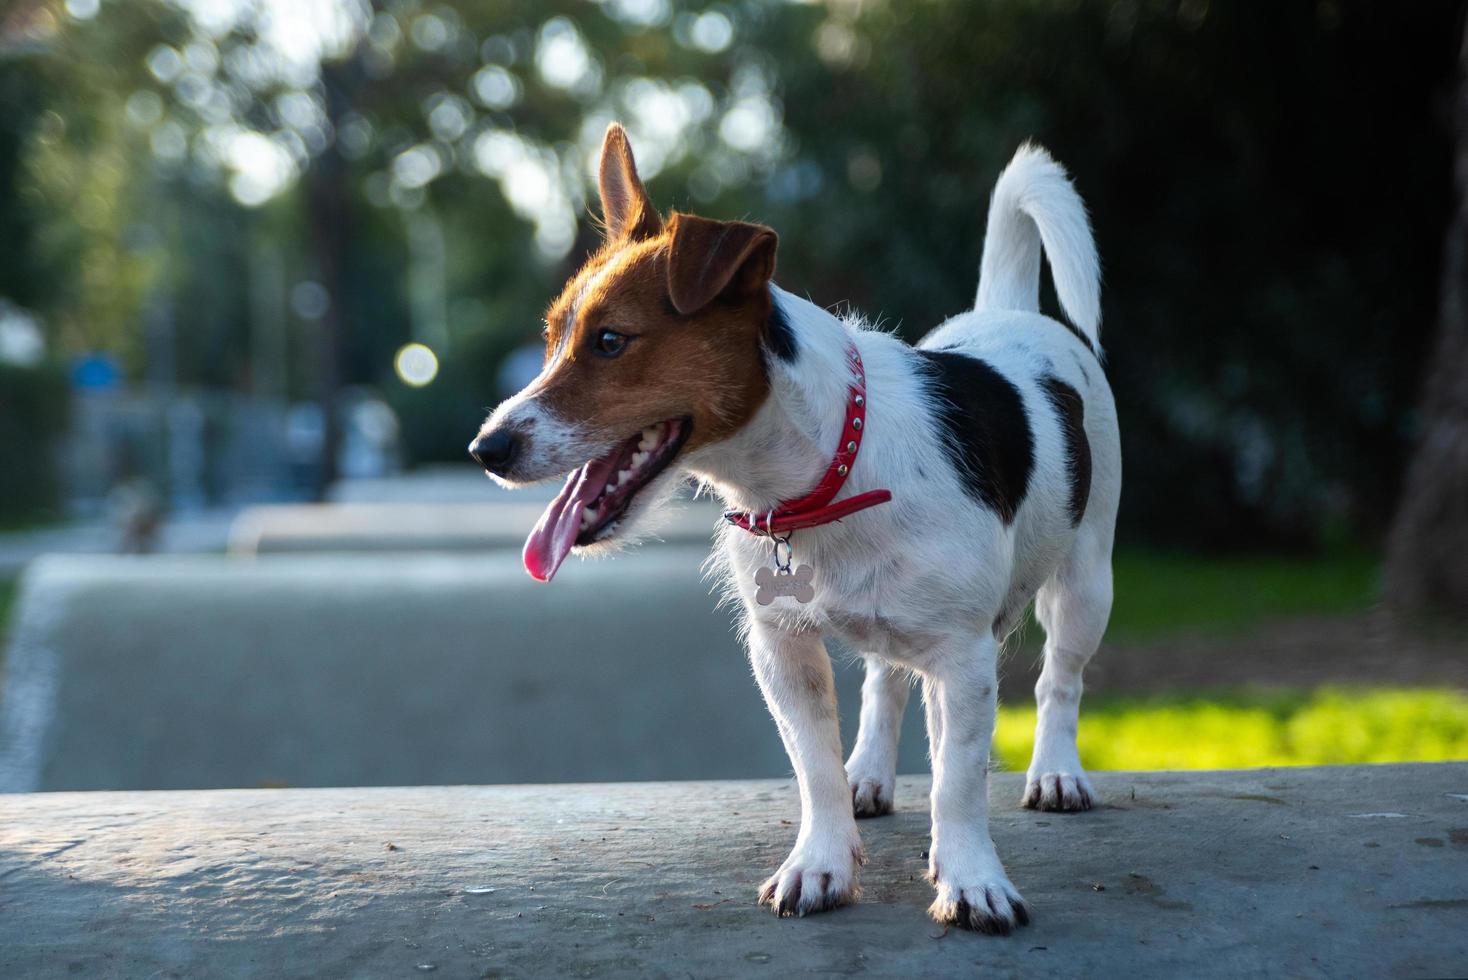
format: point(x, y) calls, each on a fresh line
point(708, 259)
point(625, 206)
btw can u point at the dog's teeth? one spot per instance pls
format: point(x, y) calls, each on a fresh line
point(649, 439)
point(587, 516)
point(623, 477)
point(639, 458)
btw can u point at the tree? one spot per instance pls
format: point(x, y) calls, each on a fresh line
point(1268, 185)
point(1427, 564)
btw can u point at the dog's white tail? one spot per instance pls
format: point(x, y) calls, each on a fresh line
point(1034, 202)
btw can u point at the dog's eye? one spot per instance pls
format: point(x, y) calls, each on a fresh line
point(609, 343)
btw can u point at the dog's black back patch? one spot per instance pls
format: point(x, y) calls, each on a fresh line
point(983, 425)
point(1071, 411)
point(780, 336)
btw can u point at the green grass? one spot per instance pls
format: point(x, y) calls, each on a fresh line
point(1158, 594)
point(1226, 731)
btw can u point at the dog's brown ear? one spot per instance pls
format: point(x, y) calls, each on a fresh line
point(624, 202)
point(715, 258)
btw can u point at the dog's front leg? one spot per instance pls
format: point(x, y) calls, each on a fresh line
point(973, 890)
point(794, 672)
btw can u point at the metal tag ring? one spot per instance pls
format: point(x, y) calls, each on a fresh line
point(782, 566)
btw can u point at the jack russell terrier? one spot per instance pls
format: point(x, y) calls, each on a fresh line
point(910, 500)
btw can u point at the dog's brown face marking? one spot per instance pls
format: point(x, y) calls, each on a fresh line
point(690, 295)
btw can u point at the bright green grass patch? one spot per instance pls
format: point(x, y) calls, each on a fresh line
point(1157, 594)
point(1327, 726)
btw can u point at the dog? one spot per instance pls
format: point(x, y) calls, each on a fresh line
point(913, 501)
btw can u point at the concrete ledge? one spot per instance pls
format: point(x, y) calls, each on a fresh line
point(438, 483)
point(1357, 871)
point(348, 527)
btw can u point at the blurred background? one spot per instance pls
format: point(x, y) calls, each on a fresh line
point(265, 263)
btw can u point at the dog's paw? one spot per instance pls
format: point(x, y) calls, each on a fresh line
point(1066, 792)
point(871, 797)
point(872, 786)
point(973, 890)
point(814, 879)
point(992, 907)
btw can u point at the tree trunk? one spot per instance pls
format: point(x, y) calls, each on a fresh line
point(1427, 554)
point(328, 208)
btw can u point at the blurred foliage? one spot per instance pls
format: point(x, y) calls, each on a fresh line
point(1157, 594)
point(33, 413)
point(19, 267)
point(1330, 726)
point(75, 187)
point(1268, 183)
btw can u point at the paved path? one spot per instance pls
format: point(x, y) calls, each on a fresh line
point(210, 672)
point(1357, 871)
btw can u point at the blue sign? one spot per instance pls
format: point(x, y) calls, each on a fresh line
point(95, 372)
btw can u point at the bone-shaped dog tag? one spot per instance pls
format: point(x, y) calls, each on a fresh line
point(774, 583)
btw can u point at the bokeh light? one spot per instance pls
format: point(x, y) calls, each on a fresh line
point(416, 364)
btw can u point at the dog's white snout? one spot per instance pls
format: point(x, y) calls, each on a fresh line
point(522, 442)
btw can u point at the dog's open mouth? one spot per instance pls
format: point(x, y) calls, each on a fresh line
point(596, 497)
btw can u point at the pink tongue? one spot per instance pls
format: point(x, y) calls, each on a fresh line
point(555, 533)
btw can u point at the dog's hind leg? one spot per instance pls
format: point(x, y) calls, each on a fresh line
point(872, 768)
point(960, 692)
point(1073, 606)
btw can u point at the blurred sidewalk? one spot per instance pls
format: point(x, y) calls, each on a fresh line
point(207, 530)
point(191, 533)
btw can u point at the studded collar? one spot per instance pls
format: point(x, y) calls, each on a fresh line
point(815, 508)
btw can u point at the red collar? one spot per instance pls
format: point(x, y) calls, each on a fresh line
point(815, 508)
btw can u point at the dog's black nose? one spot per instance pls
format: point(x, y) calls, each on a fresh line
point(494, 451)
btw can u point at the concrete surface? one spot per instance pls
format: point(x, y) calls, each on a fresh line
point(286, 528)
point(1359, 872)
point(207, 672)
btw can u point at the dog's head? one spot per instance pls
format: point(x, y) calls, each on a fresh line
point(653, 350)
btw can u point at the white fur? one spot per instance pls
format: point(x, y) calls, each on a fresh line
point(917, 584)
point(1034, 202)
point(922, 584)
point(553, 447)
